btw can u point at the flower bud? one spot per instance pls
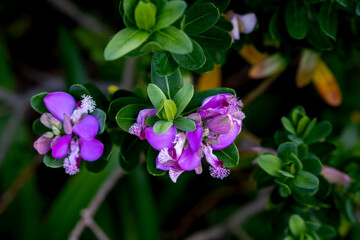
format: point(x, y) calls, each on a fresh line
point(42, 145)
point(221, 124)
point(67, 125)
point(48, 134)
point(335, 176)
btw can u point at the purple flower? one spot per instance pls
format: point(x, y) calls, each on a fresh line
point(140, 126)
point(73, 130)
point(241, 24)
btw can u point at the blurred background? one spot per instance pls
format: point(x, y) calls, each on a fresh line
point(51, 44)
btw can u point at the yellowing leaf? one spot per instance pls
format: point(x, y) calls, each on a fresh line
point(210, 80)
point(327, 85)
point(270, 66)
point(252, 55)
point(308, 62)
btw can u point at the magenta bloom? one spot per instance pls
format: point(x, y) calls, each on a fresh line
point(73, 130)
point(140, 126)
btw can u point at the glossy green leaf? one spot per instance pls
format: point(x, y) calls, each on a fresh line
point(285, 150)
point(130, 150)
point(200, 96)
point(200, 17)
point(318, 38)
point(309, 128)
point(328, 19)
point(270, 164)
point(170, 85)
point(220, 4)
point(214, 39)
point(296, 19)
point(183, 97)
point(128, 114)
point(101, 117)
point(184, 124)
point(122, 93)
point(229, 156)
point(312, 164)
point(298, 166)
point(169, 111)
point(151, 162)
point(320, 131)
point(73, 64)
point(193, 60)
point(275, 26)
point(285, 173)
point(164, 64)
point(77, 91)
point(151, 46)
point(38, 128)
point(306, 180)
point(37, 102)
point(156, 95)
point(173, 40)
point(302, 125)
point(284, 190)
point(119, 103)
point(224, 24)
point(297, 225)
point(150, 121)
point(208, 66)
point(162, 126)
point(287, 124)
point(129, 9)
point(169, 13)
point(99, 97)
point(145, 14)
point(123, 42)
point(49, 161)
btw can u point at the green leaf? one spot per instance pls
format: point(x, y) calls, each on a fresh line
point(169, 13)
point(287, 124)
point(193, 60)
point(296, 161)
point(73, 64)
point(145, 14)
point(224, 24)
point(200, 96)
point(120, 93)
point(327, 231)
point(119, 103)
point(275, 26)
point(317, 38)
point(150, 121)
point(37, 102)
point(162, 126)
point(150, 47)
point(309, 128)
point(284, 190)
point(208, 66)
point(38, 128)
point(200, 17)
point(99, 97)
point(123, 42)
point(229, 156)
point(270, 164)
point(49, 161)
point(151, 162)
point(302, 125)
point(296, 19)
point(297, 225)
point(184, 124)
point(163, 63)
point(285, 173)
point(183, 97)
point(169, 110)
point(312, 164)
point(173, 40)
point(215, 38)
point(320, 131)
point(307, 180)
point(101, 117)
point(130, 149)
point(156, 95)
point(328, 19)
point(285, 150)
point(77, 91)
point(128, 114)
point(129, 9)
point(220, 4)
point(170, 85)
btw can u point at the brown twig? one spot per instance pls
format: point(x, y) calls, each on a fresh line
point(234, 222)
point(88, 213)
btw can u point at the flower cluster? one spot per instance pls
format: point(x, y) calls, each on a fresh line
point(218, 122)
point(73, 130)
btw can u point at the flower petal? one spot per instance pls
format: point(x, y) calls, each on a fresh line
point(227, 139)
point(61, 147)
point(59, 103)
point(212, 102)
point(221, 124)
point(195, 137)
point(248, 22)
point(189, 160)
point(87, 128)
point(161, 166)
point(42, 145)
point(174, 174)
point(160, 141)
point(91, 150)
